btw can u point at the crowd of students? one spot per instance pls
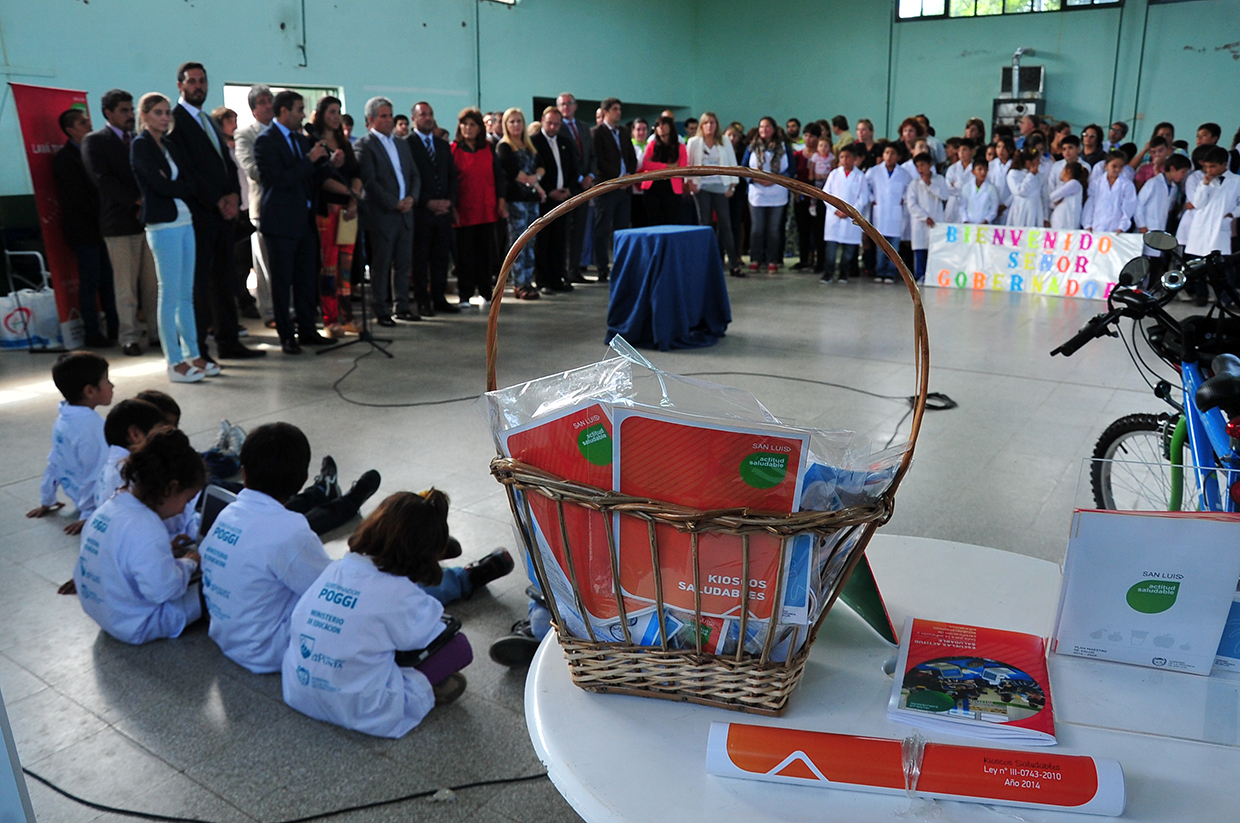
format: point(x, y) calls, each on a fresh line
point(195, 204)
point(362, 642)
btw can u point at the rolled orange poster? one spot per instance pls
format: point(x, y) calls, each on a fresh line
point(1004, 777)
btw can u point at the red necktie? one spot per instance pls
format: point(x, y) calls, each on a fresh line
point(572, 126)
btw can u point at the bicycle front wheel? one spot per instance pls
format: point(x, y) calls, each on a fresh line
point(1131, 469)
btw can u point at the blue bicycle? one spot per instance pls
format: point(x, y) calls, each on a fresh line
point(1189, 458)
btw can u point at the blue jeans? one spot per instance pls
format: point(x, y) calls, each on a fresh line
point(173, 250)
point(919, 264)
point(764, 235)
point(883, 267)
point(540, 617)
point(520, 215)
point(454, 586)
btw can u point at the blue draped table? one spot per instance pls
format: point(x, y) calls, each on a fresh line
point(668, 290)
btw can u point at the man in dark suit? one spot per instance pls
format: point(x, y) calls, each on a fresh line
point(390, 182)
point(79, 220)
point(106, 153)
point(578, 220)
point(557, 158)
point(432, 213)
point(613, 157)
point(292, 171)
point(214, 207)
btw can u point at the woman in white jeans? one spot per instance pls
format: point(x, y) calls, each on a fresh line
point(710, 148)
point(771, 153)
point(170, 234)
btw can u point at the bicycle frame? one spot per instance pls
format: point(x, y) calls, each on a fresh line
point(1209, 445)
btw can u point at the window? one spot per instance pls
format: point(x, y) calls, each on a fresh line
point(921, 9)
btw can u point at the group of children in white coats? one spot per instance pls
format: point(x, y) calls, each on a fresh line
point(361, 642)
point(904, 198)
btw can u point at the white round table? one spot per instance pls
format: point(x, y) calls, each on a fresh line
point(622, 758)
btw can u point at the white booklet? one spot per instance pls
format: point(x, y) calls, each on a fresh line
point(1148, 588)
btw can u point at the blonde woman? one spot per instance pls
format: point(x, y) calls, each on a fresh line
point(158, 166)
point(709, 147)
point(522, 193)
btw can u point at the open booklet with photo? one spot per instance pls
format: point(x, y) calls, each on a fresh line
point(990, 684)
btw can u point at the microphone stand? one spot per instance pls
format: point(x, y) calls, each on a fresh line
point(363, 336)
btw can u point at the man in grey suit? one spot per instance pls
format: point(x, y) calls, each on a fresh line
point(260, 98)
point(578, 134)
point(390, 183)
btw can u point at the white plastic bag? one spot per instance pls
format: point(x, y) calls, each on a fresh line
point(33, 311)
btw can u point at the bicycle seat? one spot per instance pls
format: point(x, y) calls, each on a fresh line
point(1223, 389)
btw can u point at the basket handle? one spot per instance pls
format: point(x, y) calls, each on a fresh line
point(921, 339)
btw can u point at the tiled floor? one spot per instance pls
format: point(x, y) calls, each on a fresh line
point(174, 728)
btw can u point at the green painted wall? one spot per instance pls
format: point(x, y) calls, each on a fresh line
point(742, 58)
point(822, 59)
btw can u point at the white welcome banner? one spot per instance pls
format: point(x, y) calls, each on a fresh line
point(1056, 262)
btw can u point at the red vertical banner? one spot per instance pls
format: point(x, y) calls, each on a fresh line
point(38, 110)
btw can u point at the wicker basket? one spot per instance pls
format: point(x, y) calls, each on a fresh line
point(741, 681)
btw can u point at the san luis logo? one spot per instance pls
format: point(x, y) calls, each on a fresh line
point(595, 445)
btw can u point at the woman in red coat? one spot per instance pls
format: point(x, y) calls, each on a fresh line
point(479, 205)
point(663, 196)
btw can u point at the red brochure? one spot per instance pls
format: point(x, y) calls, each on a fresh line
point(708, 466)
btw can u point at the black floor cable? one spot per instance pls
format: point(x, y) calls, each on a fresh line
point(353, 368)
point(362, 807)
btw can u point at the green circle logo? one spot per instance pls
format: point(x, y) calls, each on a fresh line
point(928, 700)
point(764, 470)
point(1153, 596)
point(595, 445)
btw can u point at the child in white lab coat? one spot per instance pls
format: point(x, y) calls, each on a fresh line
point(848, 183)
point(127, 578)
point(1005, 150)
point(888, 183)
point(345, 663)
point(1068, 198)
point(1070, 146)
point(259, 557)
point(78, 444)
point(979, 202)
point(959, 175)
point(1112, 198)
point(125, 430)
point(927, 200)
point(1215, 204)
point(1190, 188)
point(1156, 196)
point(1026, 188)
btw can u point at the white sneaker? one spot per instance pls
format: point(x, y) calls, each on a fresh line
point(194, 375)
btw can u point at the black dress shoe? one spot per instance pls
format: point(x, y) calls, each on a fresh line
point(426, 309)
point(363, 488)
point(132, 349)
point(566, 286)
point(385, 321)
point(492, 567)
point(443, 306)
point(408, 316)
point(453, 549)
point(98, 341)
point(517, 648)
point(249, 310)
point(240, 352)
point(290, 347)
point(315, 339)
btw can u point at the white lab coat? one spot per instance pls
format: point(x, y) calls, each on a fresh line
point(997, 177)
point(257, 562)
point(1066, 205)
point(887, 189)
point(925, 201)
point(1186, 217)
point(1026, 206)
point(1110, 207)
point(340, 664)
point(127, 579)
point(979, 204)
point(958, 176)
point(1154, 204)
point(76, 459)
point(1099, 170)
point(1215, 204)
point(110, 475)
point(853, 189)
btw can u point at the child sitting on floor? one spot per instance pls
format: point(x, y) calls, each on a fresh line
point(344, 658)
point(78, 444)
point(125, 431)
point(262, 554)
point(127, 578)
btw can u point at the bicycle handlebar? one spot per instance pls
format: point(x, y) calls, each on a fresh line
point(1095, 328)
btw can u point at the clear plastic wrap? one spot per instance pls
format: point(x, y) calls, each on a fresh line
point(623, 424)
